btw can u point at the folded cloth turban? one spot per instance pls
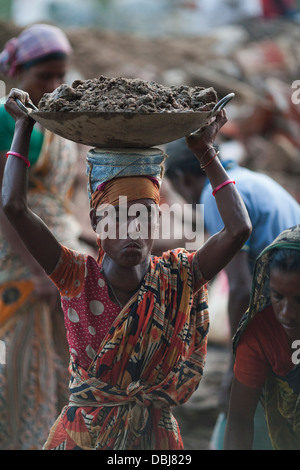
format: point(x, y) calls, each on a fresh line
point(134, 173)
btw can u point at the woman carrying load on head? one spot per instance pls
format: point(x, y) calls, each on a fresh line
point(136, 324)
point(267, 350)
point(31, 320)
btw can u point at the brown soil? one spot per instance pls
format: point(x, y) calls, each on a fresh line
point(124, 94)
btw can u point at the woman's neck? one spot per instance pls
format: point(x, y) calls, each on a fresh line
point(124, 278)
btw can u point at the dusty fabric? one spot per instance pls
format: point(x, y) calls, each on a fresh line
point(104, 165)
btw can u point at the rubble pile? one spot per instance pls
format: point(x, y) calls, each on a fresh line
point(120, 94)
point(259, 60)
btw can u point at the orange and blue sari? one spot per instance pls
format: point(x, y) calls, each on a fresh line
point(150, 359)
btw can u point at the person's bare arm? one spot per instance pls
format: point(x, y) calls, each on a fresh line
point(219, 249)
point(43, 288)
point(35, 235)
point(240, 280)
point(240, 419)
point(10, 234)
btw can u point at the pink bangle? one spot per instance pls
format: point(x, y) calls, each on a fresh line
point(16, 154)
point(222, 186)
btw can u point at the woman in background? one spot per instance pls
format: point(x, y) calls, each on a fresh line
point(33, 382)
point(267, 349)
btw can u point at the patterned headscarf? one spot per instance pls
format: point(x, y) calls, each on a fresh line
point(35, 42)
point(260, 294)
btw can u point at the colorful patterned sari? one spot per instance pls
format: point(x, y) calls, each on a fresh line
point(281, 395)
point(151, 359)
point(33, 382)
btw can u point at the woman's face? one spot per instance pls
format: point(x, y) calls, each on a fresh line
point(43, 78)
point(128, 240)
point(285, 300)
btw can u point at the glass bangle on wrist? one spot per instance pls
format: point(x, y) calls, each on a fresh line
point(225, 183)
point(18, 155)
point(211, 160)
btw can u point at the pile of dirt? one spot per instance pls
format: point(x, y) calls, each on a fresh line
point(257, 60)
point(130, 95)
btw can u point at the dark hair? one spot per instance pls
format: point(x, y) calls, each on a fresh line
point(287, 260)
point(45, 58)
point(181, 158)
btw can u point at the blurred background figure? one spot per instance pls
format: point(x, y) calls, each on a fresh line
point(277, 8)
point(34, 382)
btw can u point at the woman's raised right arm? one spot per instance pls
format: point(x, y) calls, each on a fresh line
point(36, 236)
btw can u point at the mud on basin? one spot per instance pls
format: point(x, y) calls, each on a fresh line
point(121, 112)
